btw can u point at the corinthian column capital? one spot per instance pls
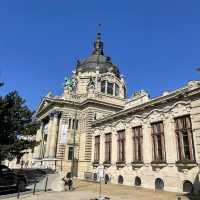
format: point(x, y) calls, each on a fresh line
point(56, 113)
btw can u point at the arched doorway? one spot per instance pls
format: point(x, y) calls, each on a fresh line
point(138, 181)
point(187, 186)
point(107, 179)
point(120, 179)
point(159, 184)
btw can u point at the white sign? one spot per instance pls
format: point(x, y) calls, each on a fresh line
point(63, 134)
point(100, 171)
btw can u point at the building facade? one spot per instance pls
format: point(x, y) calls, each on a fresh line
point(94, 91)
point(152, 143)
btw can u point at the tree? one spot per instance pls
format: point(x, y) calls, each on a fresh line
point(16, 126)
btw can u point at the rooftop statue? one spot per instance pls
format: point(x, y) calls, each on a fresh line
point(91, 83)
point(70, 83)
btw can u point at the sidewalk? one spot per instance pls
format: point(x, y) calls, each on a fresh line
point(87, 190)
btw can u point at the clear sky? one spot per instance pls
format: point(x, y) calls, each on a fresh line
point(155, 43)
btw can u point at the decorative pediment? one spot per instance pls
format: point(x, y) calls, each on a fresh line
point(177, 109)
point(180, 109)
point(154, 115)
point(97, 131)
point(120, 125)
point(107, 129)
point(135, 120)
point(44, 104)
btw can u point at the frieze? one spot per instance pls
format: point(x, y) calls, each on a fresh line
point(168, 109)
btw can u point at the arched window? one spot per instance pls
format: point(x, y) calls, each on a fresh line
point(116, 90)
point(109, 88)
point(120, 179)
point(107, 179)
point(138, 181)
point(187, 186)
point(103, 86)
point(159, 184)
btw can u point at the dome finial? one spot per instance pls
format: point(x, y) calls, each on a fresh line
point(99, 32)
point(98, 44)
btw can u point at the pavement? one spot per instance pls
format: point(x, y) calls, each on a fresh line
point(88, 190)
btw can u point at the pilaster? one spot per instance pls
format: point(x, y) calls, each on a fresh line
point(114, 147)
point(129, 145)
point(147, 142)
point(170, 140)
point(102, 148)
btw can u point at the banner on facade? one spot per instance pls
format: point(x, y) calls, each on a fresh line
point(63, 134)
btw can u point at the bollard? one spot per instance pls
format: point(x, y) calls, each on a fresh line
point(45, 189)
point(34, 187)
point(18, 189)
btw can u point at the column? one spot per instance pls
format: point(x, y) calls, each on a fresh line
point(49, 135)
point(54, 135)
point(129, 145)
point(102, 148)
point(38, 148)
point(147, 143)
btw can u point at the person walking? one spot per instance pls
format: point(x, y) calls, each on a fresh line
point(70, 183)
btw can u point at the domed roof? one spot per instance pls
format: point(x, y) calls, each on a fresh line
point(97, 61)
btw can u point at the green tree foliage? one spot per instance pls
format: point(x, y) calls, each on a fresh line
point(16, 126)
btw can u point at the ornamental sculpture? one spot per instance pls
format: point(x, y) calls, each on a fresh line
point(71, 84)
point(91, 83)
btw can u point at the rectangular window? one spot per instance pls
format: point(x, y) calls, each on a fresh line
point(109, 88)
point(108, 147)
point(137, 143)
point(69, 123)
point(158, 141)
point(97, 148)
point(116, 90)
point(73, 123)
point(121, 146)
point(70, 153)
point(103, 86)
point(77, 124)
point(183, 128)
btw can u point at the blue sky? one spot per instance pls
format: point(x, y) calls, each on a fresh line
point(155, 43)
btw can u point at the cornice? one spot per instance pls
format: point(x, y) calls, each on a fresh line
point(183, 92)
